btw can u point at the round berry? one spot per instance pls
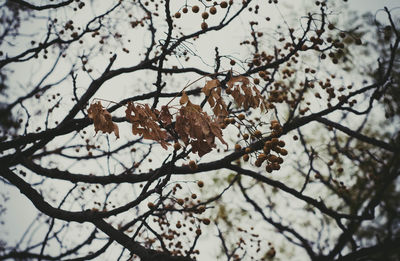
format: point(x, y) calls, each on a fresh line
point(213, 10)
point(195, 9)
point(200, 183)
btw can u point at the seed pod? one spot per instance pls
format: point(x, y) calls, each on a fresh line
point(262, 156)
point(201, 209)
point(195, 9)
point(266, 150)
point(213, 10)
point(283, 152)
point(237, 147)
point(257, 134)
point(276, 166)
point(268, 168)
point(206, 221)
point(192, 165)
point(177, 146)
point(258, 163)
point(272, 158)
point(200, 183)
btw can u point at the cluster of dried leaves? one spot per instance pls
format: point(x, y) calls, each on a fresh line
point(145, 122)
point(192, 125)
point(102, 119)
point(195, 127)
point(213, 91)
point(245, 95)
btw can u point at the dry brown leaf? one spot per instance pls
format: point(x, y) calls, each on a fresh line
point(212, 89)
point(245, 96)
point(184, 99)
point(209, 86)
point(144, 122)
point(102, 119)
point(165, 116)
point(196, 128)
point(236, 79)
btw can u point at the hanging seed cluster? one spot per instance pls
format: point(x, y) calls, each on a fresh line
point(272, 151)
point(206, 13)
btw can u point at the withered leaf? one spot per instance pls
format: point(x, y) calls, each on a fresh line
point(212, 89)
point(102, 119)
point(211, 101)
point(236, 79)
point(209, 86)
point(200, 147)
point(165, 115)
point(184, 99)
point(196, 128)
point(245, 96)
point(144, 122)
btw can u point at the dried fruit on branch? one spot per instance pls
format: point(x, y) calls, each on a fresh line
point(144, 122)
point(102, 119)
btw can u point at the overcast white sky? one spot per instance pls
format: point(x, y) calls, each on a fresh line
point(372, 5)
